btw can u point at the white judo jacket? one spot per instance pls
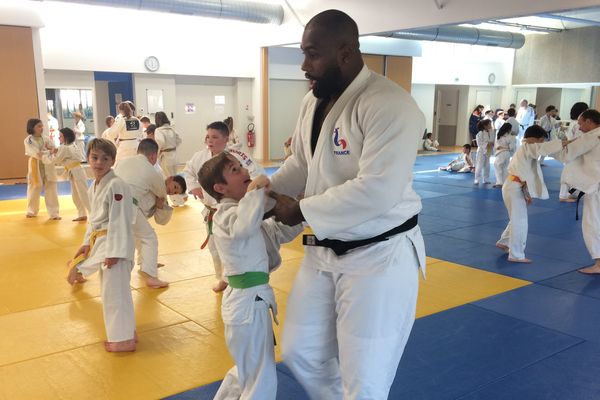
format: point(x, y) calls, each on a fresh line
point(358, 184)
point(526, 166)
point(192, 167)
point(582, 158)
point(145, 181)
point(36, 167)
point(112, 209)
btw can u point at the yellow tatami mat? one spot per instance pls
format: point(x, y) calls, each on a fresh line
point(52, 333)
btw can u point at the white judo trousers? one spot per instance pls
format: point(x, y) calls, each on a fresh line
point(253, 377)
point(214, 253)
point(117, 303)
point(50, 198)
point(79, 191)
point(501, 166)
point(515, 234)
point(341, 340)
point(146, 244)
point(590, 223)
point(482, 167)
point(168, 163)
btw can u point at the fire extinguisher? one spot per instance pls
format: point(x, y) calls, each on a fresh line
point(250, 135)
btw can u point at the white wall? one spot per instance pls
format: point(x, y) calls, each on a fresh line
point(424, 95)
point(101, 105)
point(286, 97)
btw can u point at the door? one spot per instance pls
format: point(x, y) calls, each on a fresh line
point(446, 115)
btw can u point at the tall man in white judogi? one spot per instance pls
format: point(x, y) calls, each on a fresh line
point(352, 306)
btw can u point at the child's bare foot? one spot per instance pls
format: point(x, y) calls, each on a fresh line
point(593, 270)
point(502, 247)
point(568, 200)
point(155, 283)
point(519, 260)
point(84, 218)
point(220, 286)
point(75, 276)
point(118, 347)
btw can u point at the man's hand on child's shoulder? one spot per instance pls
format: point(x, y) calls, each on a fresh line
point(259, 182)
point(109, 262)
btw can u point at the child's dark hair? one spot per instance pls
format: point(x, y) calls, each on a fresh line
point(103, 145)
point(550, 108)
point(147, 147)
point(31, 123)
point(150, 129)
point(592, 115)
point(511, 112)
point(181, 181)
point(219, 126)
point(160, 118)
point(68, 134)
point(467, 146)
point(145, 119)
point(211, 173)
point(535, 131)
point(577, 109)
point(504, 129)
point(429, 135)
point(483, 123)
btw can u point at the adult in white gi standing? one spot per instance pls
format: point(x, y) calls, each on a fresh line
point(149, 193)
point(126, 132)
point(79, 129)
point(525, 117)
point(352, 306)
point(168, 140)
point(582, 172)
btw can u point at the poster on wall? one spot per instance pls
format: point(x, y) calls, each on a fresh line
point(155, 100)
point(190, 108)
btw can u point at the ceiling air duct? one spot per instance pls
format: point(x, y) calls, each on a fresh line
point(260, 13)
point(463, 34)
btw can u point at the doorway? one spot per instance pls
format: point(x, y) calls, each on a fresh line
point(446, 114)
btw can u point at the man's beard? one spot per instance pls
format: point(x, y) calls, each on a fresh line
point(329, 84)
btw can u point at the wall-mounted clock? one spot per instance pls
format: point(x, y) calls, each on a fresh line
point(151, 63)
point(491, 78)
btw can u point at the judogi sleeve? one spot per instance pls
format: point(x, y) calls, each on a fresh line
point(578, 147)
point(384, 176)
point(247, 219)
point(191, 174)
point(535, 150)
point(156, 183)
point(120, 218)
point(117, 127)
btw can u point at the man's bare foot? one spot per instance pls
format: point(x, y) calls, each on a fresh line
point(519, 260)
point(220, 286)
point(502, 247)
point(118, 347)
point(78, 219)
point(593, 270)
point(57, 218)
point(75, 276)
point(568, 200)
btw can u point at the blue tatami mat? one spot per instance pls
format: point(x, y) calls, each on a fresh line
point(287, 389)
point(454, 352)
point(19, 191)
point(555, 309)
point(575, 282)
point(569, 375)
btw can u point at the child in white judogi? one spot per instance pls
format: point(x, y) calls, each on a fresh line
point(525, 182)
point(485, 143)
point(108, 246)
point(548, 122)
point(39, 175)
point(242, 242)
point(462, 163)
point(505, 147)
point(429, 144)
point(582, 172)
point(570, 131)
point(149, 192)
point(217, 135)
point(168, 140)
point(68, 155)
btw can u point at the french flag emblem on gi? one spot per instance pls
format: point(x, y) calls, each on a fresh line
point(339, 143)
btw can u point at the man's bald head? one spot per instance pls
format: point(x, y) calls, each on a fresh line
point(337, 25)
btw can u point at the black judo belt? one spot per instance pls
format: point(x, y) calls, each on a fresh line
point(579, 196)
point(341, 247)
